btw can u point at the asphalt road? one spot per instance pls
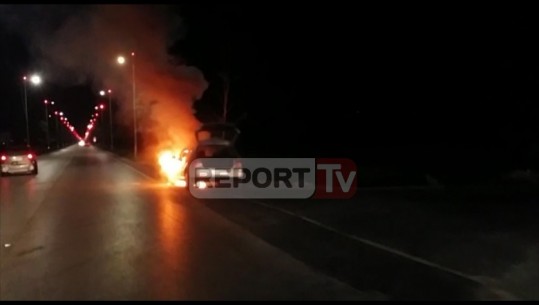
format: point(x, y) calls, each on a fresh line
point(90, 227)
point(410, 244)
point(93, 226)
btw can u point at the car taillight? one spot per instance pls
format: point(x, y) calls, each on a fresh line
point(3, 158)
point(30, 156)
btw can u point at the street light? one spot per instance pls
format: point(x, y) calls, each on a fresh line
point(58, 135)
point(34, 80)
point(121, 60)
point(109, 92)
point(47, 121)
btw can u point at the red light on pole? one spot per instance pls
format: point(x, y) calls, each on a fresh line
point(102, 106)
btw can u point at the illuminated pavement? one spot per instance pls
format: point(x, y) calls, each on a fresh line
point(91, 227)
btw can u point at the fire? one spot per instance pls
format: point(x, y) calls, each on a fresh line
point(171, 165)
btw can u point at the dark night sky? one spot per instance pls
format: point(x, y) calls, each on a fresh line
point(342, 81)
point(337, 82)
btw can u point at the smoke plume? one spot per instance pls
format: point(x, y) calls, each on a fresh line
point(74, 44)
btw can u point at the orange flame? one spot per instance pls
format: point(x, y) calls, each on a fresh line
point(172, 166)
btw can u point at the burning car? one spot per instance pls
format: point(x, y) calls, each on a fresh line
point(173, 164)
point(214, 140)
point(214, 148)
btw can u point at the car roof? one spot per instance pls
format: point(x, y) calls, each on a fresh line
point(228, 131)
point(214, 142)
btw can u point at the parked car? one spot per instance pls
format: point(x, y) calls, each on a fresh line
point(215, 140)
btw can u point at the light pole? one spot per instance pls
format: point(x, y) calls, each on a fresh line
point(61, 114)
point(121, 60)
point(226, 85)
point(57, 130)
point(102, 93)
point(47, 122)
point(35, 80)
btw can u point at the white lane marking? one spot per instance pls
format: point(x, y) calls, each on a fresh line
point(359, 239)
point(374, 244)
